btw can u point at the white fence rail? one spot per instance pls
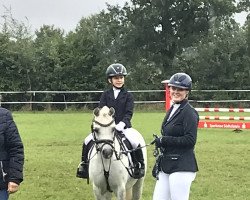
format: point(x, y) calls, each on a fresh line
point(34, 93)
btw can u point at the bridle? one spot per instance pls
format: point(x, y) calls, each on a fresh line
point(99, 144)
point(106, 141)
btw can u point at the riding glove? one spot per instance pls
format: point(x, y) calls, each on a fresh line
point(120, 126)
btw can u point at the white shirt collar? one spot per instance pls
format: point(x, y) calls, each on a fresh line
point(116, 92)
point(175, 107)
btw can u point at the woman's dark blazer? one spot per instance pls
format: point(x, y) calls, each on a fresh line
point(179, 135)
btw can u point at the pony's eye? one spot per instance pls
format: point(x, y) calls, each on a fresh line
point(113, 129)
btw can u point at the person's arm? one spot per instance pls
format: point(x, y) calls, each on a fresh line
point(15, 150)
point(103, 100)
point(129, 109)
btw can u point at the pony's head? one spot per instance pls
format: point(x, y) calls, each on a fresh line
point(103, 130)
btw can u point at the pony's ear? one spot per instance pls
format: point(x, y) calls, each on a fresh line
point(111, 111)
point(96, 111)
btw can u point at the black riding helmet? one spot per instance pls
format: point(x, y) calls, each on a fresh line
point(181, 80)
point(116, 69)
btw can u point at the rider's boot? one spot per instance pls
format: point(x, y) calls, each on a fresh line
point(139, 170)
point(83, 167)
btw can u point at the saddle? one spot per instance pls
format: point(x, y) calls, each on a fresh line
point(126, 147)
point(124, 141)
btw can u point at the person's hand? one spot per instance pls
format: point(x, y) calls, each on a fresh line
point(157, 142)
point(120, 126)
point(12, 187)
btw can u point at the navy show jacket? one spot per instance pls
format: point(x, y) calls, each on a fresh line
point(123, 105)
point(179, 135)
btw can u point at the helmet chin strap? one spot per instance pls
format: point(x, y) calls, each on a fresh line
point(118, 87)
point(179, 102)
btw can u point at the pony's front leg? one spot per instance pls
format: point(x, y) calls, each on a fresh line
point(106, 196)
point(101, 195)
point(121, 193)
point(129, 194)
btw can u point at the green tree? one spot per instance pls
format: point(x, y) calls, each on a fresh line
point(82, 55)
point(82, 64)
point(220, 60)
point(161, 29)
point(248, 33)
point(16, 55)
point(147, 33)
point(48, 46)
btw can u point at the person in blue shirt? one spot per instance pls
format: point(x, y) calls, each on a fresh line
point(123, 103)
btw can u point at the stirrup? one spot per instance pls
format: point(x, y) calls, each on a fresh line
point(139, 171)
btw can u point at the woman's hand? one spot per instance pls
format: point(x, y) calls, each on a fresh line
point(157, 142)
point(12, 187)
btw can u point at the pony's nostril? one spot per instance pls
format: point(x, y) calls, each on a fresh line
point(107, 153)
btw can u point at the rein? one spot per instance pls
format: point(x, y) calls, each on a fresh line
point(131, 150)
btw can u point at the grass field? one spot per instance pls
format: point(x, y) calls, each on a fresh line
point(53, 148)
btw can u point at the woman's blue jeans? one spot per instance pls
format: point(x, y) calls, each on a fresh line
point(4, 195)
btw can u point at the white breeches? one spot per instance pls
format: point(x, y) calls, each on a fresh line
point(129, 134)
point(175, 186)
point(132, 137)
point(88, 139)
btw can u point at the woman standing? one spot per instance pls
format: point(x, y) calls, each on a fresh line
point(177, 166)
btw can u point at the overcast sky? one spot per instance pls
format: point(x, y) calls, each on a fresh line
point(64, 14)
